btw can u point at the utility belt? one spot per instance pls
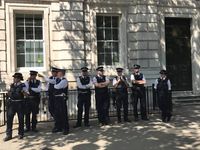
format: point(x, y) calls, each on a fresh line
point(16, 100)
point(33, 97)
point(84, 91)
point(60, 95)
point(137, 87)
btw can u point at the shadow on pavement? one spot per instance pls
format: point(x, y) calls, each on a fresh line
point(182, 133)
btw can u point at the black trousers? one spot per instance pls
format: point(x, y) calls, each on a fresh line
point(164, 104)
point(61, 114)
point(122, 100)
point(84, 101)
point(12, 109)
point(51, 105)
point(102, 106)
point(32, 108)
point(139, 94)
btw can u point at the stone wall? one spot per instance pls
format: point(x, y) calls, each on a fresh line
point(72, 37)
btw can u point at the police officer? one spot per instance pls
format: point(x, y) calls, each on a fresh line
point(101, 83)
point(121, 86)
point(84, 83)
point(60, 93)
point(163, 89)
point(15, 104)
point(138, 91)
point(50, 86)
point(34, 87)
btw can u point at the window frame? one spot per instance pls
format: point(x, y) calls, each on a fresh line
point(30, 40)
point(16, 8)
point(120, 11)
point(109, 41)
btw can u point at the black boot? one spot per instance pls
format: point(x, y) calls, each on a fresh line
point(7, 138)
point(20, 137)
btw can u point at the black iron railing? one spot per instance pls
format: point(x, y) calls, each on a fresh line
point(44, 114)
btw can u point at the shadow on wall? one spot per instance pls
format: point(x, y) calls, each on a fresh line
point(2, 84)
point(71, 30)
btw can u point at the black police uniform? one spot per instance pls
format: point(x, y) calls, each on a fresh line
point(122, 99)
point(139, 93)
point(84, 100)
point(15, 104)
point(32, 105)
point(61, 114)
point(102, 101)
point(51, 97)
point(164, 99)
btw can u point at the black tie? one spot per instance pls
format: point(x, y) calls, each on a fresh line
point(58, 80)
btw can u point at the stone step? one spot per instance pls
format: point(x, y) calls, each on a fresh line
point(186, 99)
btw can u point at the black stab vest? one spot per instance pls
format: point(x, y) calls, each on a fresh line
point(34, 85)
point(99, 80)
point(84, 81)
point(16, 91)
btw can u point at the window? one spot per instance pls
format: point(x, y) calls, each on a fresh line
point(29, 40)
point(107, 40)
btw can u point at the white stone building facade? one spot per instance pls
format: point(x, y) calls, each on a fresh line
point(37, 34)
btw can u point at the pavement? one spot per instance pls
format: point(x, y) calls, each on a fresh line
point(182, 133)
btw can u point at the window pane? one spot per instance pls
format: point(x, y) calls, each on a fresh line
point(38, 33)
point(20, 33)
point(38, 20)
point(107, 45)
point(115, 34)
point(100, 35)
point(115, 57)
point(38, 47)
point(100, 47)
point(115, 47)
point(30, 30)
point(29, 60)
point(20, 60)
point(108, 34)
point(20, 47)
point(39, 60)
point(20, 21)
point(108, 59)
point(115, 21)
point(29, 33)
point(29, 20)
point(107, 21)
point(99, 21)
point(101, 59)
point(107, 40)
point(29, 47)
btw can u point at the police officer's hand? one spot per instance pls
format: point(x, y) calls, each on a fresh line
point(40, 75)
point(26, 94)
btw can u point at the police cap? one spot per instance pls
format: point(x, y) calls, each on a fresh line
point(18, 75)
point(84, 69)
point(119, 69)
point(163, 72)
point(136, 66)
point(54, 69)
point(32, 72)
point(100, 68)
point(61, 69)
